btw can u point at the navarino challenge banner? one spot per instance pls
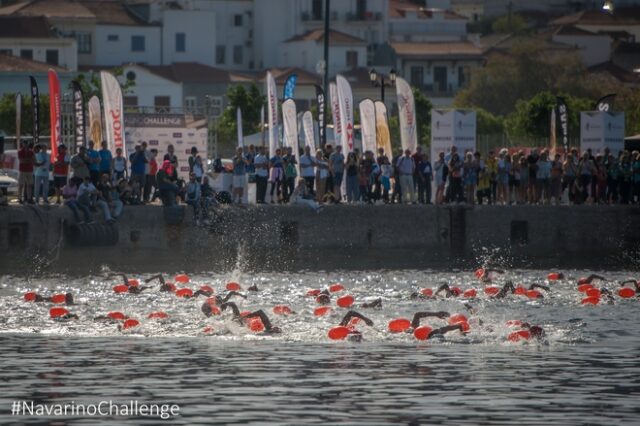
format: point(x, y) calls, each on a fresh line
point(600, 130)
point(35, 110)
point(335, 114)
point(383, 136)
point(272, 113)
point(290, 123)
point(79, 115)
point(345, 99)
point(95, 119)
point(452, 127)
point(161, 130)
point(368, 125)
point(407, 112)
point(55, 113)
point(309, 135)
point(113, 111)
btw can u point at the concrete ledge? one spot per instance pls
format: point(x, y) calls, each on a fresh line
point(270, 237)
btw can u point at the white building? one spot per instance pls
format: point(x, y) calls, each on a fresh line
point(594, 48)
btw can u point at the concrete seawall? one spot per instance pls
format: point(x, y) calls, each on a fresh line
point(149, 238)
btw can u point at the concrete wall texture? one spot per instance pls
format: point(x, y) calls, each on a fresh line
point(339, 237)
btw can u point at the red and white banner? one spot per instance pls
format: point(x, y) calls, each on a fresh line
point(309, 134)
point(239, 126)
point(55, 113)
point(335, 114)
point(368, 125)
point(345, 99)
point(113, 112)
point(272, 113)
point(407, 111)
point(290, 124)
point(95, 120)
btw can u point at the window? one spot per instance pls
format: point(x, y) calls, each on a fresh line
point(352, 59)
point(181, 42)
point(52, 56)
point(361, 8)
point(162, 103)
point(417, 76)
point(220, 54)
point(316, 10)
point(84, 42)
point(6, 52)
point(130, 102)
point(26, 53)
point(190, 104)
point(237, 20)
point(237, 55)
point(216, 106)
point(137, 43)
point(113, 37)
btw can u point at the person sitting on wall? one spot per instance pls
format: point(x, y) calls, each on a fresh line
point(168, 189)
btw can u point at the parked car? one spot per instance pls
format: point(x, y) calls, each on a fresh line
point(8, 185)
point(10, 165)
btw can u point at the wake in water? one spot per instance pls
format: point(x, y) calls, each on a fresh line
point(485, 307)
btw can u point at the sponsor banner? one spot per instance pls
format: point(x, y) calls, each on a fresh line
point(335, 114)
point(18, 118)
point(182, 139)
point(321, 100)
point(35, 110)
point(113, 111)
point(552, 132)
point(239, 126)
point(605, 103)
point(95, 120)
point(383, 137)
point(309, 135)
point(290, 86)
point(290, 124)
point(155, 120)
point(55, 113)
point(345, 99)
point(600, 130)
point(272, 113)
point(407, 112)
point(563, 114)
point(368, 125)
point(79, 116)
point(452, 127)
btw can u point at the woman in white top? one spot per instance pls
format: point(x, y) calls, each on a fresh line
point(307, 163)
point(322, 173)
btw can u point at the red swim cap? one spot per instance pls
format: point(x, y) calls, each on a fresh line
point(399, 325)
point(336, 287)
point(206, 289)
point(471, 293)
point(422, 333)
point(133, 283)
point(479, 273)
point(590, 301)
point(282, 310)
point(58, 312)
point(338, 333)
point(313, 293)
point(30, 296)
point(158, 315)
point(345, 301)
point(323, 310)
point(353, 322)
point(426, 292)
point(184, 292)
point(119, 316)
point(491, 291)
point(58, 299)
point(520, 291)
point(130, 323)
point(457, 291)
point(534, 294)
point(121, 288)
point(457, 318)
point(593, 292)
point(182, 278)
point(553, 276)
point(583, 288)
point(516, 336)
point(626, 292)
point(232, 286)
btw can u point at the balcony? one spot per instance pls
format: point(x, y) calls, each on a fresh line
point(364, 17)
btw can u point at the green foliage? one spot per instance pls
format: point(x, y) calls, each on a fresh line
point(91, 85)
point(509, 24)
point(423, 118)
point(250, 102)
point(487, 123)
point(8, 114)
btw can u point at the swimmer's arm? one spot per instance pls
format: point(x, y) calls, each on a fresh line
point(508, 287)
point(634, 282)
point(354, 314)
point(375, 304)
point(265, 320)
point(253, 288)
point(419, 315)
point(443, 287)
point(595, 277)
point(231, 294)
point(444, 330)
point(540, 286)
point(123, 276)
point(233, 306)
point(158, 277)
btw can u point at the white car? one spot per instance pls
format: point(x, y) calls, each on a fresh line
point(8, 184)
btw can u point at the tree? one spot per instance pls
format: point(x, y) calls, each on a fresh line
point(423, 117)
point(509, 24)
point(92, 86)
point(8, 114)
point(250, 102)
point(487, 123)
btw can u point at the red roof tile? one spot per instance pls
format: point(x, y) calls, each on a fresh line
point(439, 49)
point(335, 37)
point(25, 27)
point(10, 63)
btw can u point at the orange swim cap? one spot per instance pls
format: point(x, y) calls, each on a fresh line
point(232, 286)
point(471, 293)
point(590, 301)
point(323, 310)
point(184, 292)
point(345, 301)
point(339, 332)
point(158, 315)
point(255, 325)
point(119, 316)
point(336, 287)
point(422, 333)
point(553, 276)
point(30, 296)
point(626, 292)
point(58, 312)
point(399, 325)
point(182, 278)
point(130, 323)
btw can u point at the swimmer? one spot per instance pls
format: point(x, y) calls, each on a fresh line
point(375, 304)
point(133, 289)
point(164, 286)
point(60, 299)
point(66, 317)
point(635, 283)
point(591, 278)
point(253, 288)
point(484, 275)
point(268, 327)
point(353, 334)
point(527, 332)
point(430, 333)
point(508, 288)
point(449, 292)
point(324, 297)
point(415, 323)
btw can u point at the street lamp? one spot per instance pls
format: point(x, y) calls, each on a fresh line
point(379, 80)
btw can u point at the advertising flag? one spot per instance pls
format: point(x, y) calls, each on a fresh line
point(564, 122)
point(79, 115)
point(18, 118)
point(272, 113)
point(95, 120)
point(35, 110)
point(321, 100)
point(113, 110)
point(368, 125)
point(407, 111)
point(290, 124)
point(605, 103)
point(309, 135)
point(335, 114)
point(55, 113)
point(345, 99)
point(290, 86)
point(383, 137)
point(552, 133)
point(239, 126)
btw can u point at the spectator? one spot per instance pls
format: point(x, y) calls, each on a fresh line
point(208, 197)
point(250, 155)
point(166, 185)
point(26, 159)
point(88, 196)
point(386, 171)
point(556, 179)
point(455, 170)
point(194, 193)
point(173, 159)
point(492, 168)
point(636, 176)
point(322, 174)
point(192, 159)
point(302, 195)
point(502, 179)
point(406, 166)
point(600, 177)
point(484, 182)
point(41, 174)
point(626, 177)
point(353, 191)
point(290, 175)
point(397, 189)
point(532, 160)
point(138, 167)
point(277, 175)
point(470, 167)
point(586, 169)
point(240, 163)
point(61, 171)
point(570, 172)
point(613, 174)
point(80, 164)
point(442, 171)
point(150, 180)
point(93, 160)
point(307, 170)
point(419, 187)
point(543, 176)
point(336, 159)
point(119, 166)
point(261, 164)
point(69, 194)
point(106, 160)
point(106, 195)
